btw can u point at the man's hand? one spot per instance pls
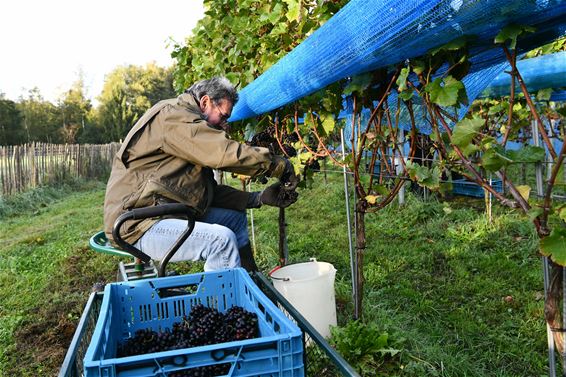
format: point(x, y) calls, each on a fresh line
point(283, 169)
point(277, 196)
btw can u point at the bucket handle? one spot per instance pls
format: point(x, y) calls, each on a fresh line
point(275, 269)
point(278, 267)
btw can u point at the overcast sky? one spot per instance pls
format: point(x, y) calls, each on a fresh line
point(46, 43)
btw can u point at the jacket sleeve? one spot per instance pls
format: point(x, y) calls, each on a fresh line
point(230, 198)
point(200, 144)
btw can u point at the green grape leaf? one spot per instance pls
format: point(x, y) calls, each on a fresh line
point(469, 149)
point(465, 131)
point(273, 17)
point(497, 108)
point(535, 212)
point(447, 91)
point(512, 32)
point(279, 29)
point(358, 84)
point(429, 178)
point(418, 66)
point(453, 45)
point(381, 189)
point(348, 161)
point(528, 153)
point(488, 141)
point(562, 213)
point(406, 94)
point(495, 158)
point(402, 79)
point(328, 123)
point(544, 94)
point(554, 246)
point(293, 9)
point(462, 95)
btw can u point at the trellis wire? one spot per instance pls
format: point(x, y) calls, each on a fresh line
point(550, 338)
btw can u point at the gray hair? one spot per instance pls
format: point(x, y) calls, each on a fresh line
point(217, 88)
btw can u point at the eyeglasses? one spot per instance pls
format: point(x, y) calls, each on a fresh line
point(223, 117)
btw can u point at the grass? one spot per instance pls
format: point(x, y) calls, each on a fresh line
point(463, 296)
point(457, 295)
point(46, 272)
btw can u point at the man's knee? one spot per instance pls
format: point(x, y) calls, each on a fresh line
point(223, 250)
point(224, 238)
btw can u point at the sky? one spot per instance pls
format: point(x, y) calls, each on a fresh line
point(49, 43)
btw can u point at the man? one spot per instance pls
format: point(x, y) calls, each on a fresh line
point(168, 156)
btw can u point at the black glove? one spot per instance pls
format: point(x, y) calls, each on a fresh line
point(278, 196)
point(283, 169)
point(273, 195)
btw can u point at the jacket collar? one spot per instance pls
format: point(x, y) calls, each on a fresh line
point(187, 100)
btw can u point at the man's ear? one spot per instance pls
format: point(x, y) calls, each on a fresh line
point(203, 102)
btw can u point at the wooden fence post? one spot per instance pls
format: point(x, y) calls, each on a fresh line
point(23, 167)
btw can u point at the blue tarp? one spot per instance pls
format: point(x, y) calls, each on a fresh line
point(370, 34)
point(547, 71)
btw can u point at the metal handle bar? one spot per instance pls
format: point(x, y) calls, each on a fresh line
point(154, 211)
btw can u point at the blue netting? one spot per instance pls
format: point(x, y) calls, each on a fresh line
point(366, 35)
point(547, 71)
point(558, 96)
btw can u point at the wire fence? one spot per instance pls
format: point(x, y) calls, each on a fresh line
point(517, 172)
point(23, 167)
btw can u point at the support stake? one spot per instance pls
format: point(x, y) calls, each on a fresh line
point(347, 197)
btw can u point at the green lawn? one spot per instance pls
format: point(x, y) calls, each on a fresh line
point(457, 295)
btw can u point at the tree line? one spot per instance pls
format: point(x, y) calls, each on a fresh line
point(128, 91)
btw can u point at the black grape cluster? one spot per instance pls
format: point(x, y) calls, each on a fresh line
point(242, 324)
point(313, 164)
point(203, 326)
point(266, 139)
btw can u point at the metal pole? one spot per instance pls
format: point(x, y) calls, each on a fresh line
point(489, 207)
point(550, 338)
point(347, 196)
point(253, 228)
point(545, 266)
point(399, 167)
point(252, 222)
point(425, 190)
point(283, 248)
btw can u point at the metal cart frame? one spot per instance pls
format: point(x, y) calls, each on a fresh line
point(316, 348)
point(320, 359)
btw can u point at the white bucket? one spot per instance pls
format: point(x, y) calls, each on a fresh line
point(309, 287)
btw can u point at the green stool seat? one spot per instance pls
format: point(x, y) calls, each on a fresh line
point(99, 243)
point(126, 271)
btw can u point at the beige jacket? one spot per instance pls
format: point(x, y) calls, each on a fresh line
point(168, 156)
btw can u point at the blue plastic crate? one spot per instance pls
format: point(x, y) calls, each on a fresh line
point(465, 187)
point(158, 303)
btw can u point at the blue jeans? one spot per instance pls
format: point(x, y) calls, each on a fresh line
point(215, 239)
